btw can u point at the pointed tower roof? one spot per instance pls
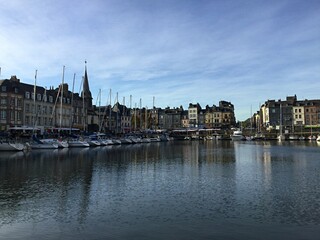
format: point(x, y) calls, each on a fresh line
point(86, 89)
point(86, 94)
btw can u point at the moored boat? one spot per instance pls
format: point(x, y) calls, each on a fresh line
point(78, 143)
point(38, 144)
point(11, 146)
point(60, 143)
point(237, 136)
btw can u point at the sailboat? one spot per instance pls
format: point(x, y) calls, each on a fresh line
point(36, 143)
point(60, 142)
point(6, 145)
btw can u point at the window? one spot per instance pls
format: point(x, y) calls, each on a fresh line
point(27, 95)
point(50, 99)
point(3, 101)
point(27, 108)
point(19, 115)
point(4, 88)
point(3, 114)
point(19, 102)
point(39, 97)
point(16, 90)
point(32, 95)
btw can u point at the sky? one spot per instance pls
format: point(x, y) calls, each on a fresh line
point(167, 52)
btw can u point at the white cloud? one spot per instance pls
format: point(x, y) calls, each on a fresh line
point(243, 52)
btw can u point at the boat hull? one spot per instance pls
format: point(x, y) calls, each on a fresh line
point(7, 146)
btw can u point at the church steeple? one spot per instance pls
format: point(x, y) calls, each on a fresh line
point(86, 94)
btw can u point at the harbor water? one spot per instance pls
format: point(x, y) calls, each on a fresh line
point(164, 190)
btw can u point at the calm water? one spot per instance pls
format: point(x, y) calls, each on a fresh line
point(176, 190)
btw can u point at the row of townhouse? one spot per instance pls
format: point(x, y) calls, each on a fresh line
point(58, 108)
point(120, 119)
point(35, 107)
point(290, 114)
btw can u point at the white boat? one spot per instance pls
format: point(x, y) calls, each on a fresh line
point(155, 139)
point(93, 142)
point(60, 143)
point(116, 141)
point(34, 145)
point(37, 144)
point(78, 143)
point(135, 139)
point(312, 138)
point(293, 137)
point(106, 142)
point(145, 140)
point(125, 140)
point(237, 136)
point(281, 137)
point(11, 146)
point(318, 138)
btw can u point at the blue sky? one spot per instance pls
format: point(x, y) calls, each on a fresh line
point(177, 51)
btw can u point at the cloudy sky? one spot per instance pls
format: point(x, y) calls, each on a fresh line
point(177, 51)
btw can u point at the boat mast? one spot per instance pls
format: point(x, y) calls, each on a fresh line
point(123, 115)
point(152, 116)
point(110, 112)
point(280, 119)
point(34, 101)
point(130, 113)
point(61, 98)
point(140, 114)
point(72, 110)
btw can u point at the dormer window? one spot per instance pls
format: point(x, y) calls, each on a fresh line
point(27, 95)
point(39, 97)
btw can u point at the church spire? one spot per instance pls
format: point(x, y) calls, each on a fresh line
point(86, 94)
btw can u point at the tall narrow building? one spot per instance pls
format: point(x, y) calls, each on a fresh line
point(86, 94)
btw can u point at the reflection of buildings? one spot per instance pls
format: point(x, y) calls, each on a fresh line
point(54, 181)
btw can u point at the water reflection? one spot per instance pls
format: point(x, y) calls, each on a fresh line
point(182, 187)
